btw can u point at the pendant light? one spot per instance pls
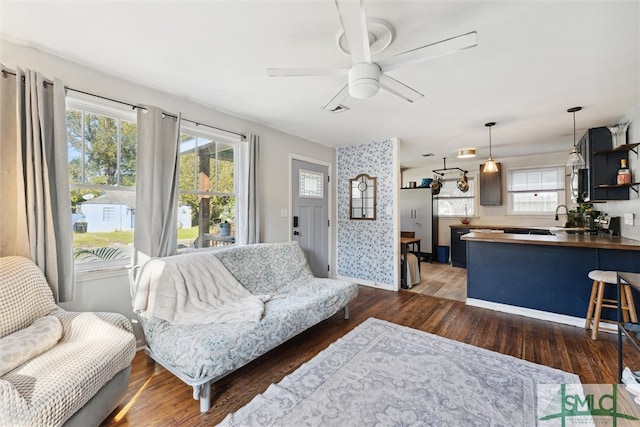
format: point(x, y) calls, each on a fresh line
point(490, 166)
point(575, 159)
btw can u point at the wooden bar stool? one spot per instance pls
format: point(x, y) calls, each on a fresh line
point(597, 302)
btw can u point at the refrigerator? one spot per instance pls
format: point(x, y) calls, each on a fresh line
point(416, 214)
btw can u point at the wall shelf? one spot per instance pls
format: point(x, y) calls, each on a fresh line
point(617, 185)
point(631, 186)
point(621, 148)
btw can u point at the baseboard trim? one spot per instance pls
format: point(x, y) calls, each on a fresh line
point(367, 283)
point(538, 314)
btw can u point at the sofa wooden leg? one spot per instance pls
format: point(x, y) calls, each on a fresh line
point(346, 312)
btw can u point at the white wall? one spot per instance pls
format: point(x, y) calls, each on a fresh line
point(275, 146)
point(633, 204)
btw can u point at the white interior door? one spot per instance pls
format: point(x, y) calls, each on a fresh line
point(310, 213)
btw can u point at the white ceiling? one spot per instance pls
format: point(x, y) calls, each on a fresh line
point(533, 61)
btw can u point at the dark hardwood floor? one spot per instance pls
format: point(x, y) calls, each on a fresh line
point(157, 398)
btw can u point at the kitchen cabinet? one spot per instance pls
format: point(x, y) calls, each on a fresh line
point(458, 247)
point(598, 182)
point(545, 273)
point(416, 214)
point(491, 187)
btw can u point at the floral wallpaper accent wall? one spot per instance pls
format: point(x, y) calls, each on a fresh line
point(365, 248)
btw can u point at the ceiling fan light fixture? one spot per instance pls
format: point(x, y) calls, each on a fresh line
point(490, 166)
point(364, 80)
point(466, 153)
point(575, 159)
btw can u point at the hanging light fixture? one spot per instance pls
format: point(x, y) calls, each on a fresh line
point(575, 159)
point(490, 166)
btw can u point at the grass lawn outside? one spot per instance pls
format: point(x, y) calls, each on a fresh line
point(121, 238)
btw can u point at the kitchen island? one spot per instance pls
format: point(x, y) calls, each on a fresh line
point(544, 276)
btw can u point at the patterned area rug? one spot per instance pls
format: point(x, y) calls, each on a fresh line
point(385, 374)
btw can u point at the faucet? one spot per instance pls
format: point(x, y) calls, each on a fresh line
point(557, 218)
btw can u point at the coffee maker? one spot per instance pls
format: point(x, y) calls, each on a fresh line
point(608, 225)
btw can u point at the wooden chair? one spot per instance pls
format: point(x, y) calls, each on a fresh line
point(597, 301)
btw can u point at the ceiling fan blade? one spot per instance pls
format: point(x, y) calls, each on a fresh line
point(301, 72)
point(399, 89)
point(354, 24)
point(337, 99)
point(430, 51)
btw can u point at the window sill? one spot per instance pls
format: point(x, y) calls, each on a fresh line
point(102, 269)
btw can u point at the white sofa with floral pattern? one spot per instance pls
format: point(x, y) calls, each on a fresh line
point(57, 367)
point(200, 354)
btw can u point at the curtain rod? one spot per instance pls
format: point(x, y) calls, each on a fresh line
point(242, 136)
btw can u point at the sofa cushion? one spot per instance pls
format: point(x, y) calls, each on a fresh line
point(25, 294)
point(25, 344)
point(267, 268)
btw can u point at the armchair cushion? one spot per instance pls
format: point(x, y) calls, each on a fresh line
point(25, 294)
point(25, 344)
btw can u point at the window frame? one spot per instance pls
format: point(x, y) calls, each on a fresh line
point(473, 198)
point(200, 132)
point(92, 105)
point(560, 192)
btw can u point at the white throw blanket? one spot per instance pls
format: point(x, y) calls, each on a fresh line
point(194, 288)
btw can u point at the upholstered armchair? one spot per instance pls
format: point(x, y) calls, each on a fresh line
point(57, 367)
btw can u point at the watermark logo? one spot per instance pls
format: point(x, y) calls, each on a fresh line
point(586, 405)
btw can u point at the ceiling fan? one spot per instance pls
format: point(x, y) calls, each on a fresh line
point(365, 78)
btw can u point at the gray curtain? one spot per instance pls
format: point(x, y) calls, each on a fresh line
point(156, 221)
point(248, 230)
point(35, 218)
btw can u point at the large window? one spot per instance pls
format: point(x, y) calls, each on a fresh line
point(207, 201)
point(102, 174)
point(102, 143)
point(453, 202)
point(536, 191)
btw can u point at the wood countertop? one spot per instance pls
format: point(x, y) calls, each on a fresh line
point(559, 239)
point(501, 227)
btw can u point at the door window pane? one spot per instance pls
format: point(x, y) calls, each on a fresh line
point(311, 183)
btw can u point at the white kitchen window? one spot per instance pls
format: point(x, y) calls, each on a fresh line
point(535, 191)
point(453, 202)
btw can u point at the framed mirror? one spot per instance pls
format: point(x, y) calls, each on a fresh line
point(362, 197)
